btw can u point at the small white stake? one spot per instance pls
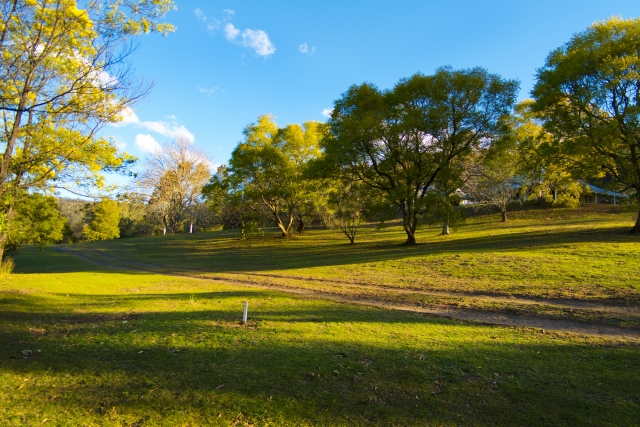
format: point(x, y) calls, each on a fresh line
point(244, 313)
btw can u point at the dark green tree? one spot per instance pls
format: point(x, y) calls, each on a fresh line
point(400, 140)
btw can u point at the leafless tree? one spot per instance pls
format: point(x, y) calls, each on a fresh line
point(174, 177)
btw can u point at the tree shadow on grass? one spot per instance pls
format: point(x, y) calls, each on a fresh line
point(297, 363)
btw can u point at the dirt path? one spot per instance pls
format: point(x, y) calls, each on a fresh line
point(468, 314)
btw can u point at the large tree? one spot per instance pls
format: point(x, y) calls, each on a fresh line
point(268, 167)
point(400, 140)
point(588, 93)
point(63, 75)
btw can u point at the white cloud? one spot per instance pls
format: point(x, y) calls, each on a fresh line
point(147, 144)
point(128, 117)
point(231, 32)
point(327, 112)
point(171, 130)
point(258, 40)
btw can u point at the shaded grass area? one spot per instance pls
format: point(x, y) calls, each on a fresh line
point(557, 253)
point(126, 348)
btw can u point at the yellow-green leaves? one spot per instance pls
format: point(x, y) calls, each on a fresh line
point(588, 93)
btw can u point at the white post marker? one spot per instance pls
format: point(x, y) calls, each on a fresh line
point(244, 313)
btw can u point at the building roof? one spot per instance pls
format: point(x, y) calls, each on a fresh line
point(598, 190)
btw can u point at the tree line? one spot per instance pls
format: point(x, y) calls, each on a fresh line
point(415, 151)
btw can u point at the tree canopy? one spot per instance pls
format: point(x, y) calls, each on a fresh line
point(269, 168)
point(400, 140)
point(588, 93)
point(63, 76)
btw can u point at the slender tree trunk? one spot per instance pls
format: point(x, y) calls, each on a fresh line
point(3, 240)
point(300, 229)
point(504, 215)
point(445, 226)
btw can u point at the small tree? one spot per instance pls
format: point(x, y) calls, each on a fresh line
point(496, 183)
point(352, 203)
point(229, 208)
point(102, 221)
point(38, 221)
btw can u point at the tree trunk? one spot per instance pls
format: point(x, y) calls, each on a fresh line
point(445, 226)
point(636, 228)
point(410, 223)
point(504, 215)
point(3, 239)
point(300, 228)
point(191, 227)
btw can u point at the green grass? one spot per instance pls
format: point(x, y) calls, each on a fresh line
point(126, 348)
point(583, 253)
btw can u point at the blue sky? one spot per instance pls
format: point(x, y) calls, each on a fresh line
point(229, 62)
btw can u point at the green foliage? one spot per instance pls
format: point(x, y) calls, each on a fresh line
point(103, 220)
point(588, 94)
point(135, 220)
point(38, 221)
point(267, 170)
point(229, 206)
point(62, 77)
point(399, 141)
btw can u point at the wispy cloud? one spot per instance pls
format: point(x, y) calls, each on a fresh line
point(327, 112)
point(258, 40)
point(169, 129)
point(212, 23)
point(211, 91)
point(147, 144)
point(304, 48)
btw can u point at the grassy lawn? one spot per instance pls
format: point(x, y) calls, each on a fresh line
point(582, 253)
point(127, 348)
point(546, 254)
